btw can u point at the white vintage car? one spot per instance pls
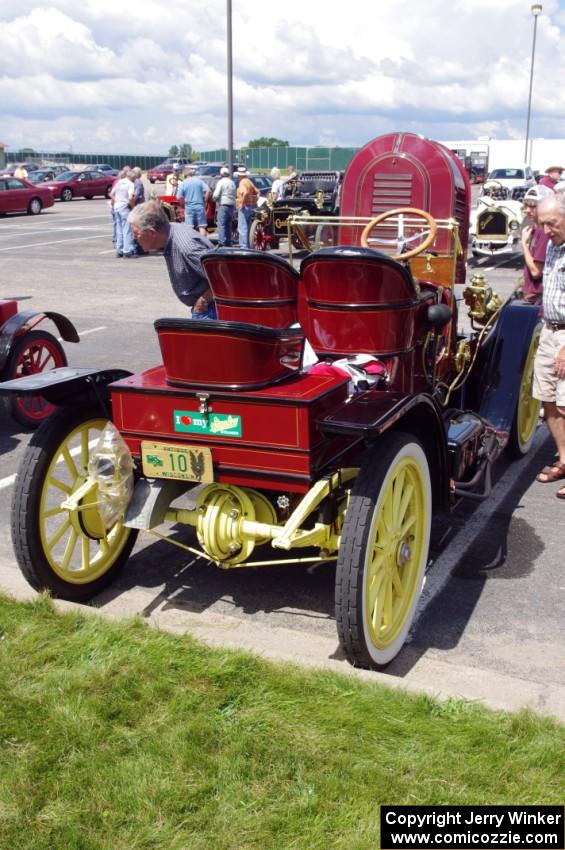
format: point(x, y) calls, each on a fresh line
point(495, 222)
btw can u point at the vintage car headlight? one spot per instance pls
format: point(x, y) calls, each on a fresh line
point(111, 466)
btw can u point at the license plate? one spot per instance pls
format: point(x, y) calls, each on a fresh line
point(186, 463)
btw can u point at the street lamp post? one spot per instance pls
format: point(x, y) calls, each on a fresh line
point(536, 10)
point(230, 88)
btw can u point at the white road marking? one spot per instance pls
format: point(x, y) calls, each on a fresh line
point(67, 229)
point(92, 331)
point(55, 242)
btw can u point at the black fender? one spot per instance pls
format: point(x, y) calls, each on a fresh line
point(29, 319)
point(499, 368)
point(369, 414)
point(68, 385)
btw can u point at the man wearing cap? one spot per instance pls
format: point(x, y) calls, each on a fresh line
point(552, 176)
point(246, 196)
point(224, 197)
point(549, 366)
point(173, 181)
point(534, 245)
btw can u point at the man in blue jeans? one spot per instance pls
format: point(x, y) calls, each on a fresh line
point(194, 191)
point(182, 248)
point(224, 196)
point(122, 195)
point(247, 194)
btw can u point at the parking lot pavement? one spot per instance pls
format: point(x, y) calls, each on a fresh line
point(492, 628)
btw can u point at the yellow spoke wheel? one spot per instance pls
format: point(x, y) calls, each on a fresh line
point(68, 552)
point(528, 408)
point(383, 551)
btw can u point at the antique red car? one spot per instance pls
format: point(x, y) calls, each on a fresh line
point(344, 459)
point(26, 349)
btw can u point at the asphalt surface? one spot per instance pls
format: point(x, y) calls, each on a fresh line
point(490, 626)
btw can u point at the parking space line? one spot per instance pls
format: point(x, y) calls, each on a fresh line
point(55, 242)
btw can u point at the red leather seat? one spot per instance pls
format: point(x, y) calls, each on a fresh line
point(227, 355)
point(358, 301)
point(252, 286)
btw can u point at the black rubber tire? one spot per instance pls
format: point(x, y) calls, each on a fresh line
point(26, 510)
point(14, 404)
point(66, 194)
point(107, 192)
point(34, 207)
point(358, 546)
point(89, 197)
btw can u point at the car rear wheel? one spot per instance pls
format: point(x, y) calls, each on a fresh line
point(526, 416)
point(35, 206)
point(66, 194)
point(383, 551)
point(32, 352)
point(67, 551)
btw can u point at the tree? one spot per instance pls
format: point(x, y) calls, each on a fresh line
point(264, 142)
point(173, 150)
point(185, 150)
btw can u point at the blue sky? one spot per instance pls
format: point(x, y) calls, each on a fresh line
point(111, 75)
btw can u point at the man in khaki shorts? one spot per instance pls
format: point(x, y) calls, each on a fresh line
point(549, 367)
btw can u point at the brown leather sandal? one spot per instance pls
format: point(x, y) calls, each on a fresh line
point(555, 472)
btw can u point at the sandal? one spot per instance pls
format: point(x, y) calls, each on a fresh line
point(561, 493)
point(555, 472)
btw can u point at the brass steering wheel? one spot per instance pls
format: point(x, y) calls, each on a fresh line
point(405, 255)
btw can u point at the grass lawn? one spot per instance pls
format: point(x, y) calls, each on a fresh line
point(120, 737)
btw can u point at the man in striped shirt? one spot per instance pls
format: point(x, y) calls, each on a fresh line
point(182, 247)
point(549, 367)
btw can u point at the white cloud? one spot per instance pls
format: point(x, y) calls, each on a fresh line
point(140, 77)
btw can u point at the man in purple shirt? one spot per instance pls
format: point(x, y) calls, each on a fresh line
point(534, 245)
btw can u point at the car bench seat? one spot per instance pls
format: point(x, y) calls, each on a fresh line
point(252, 286)
point(360, 301)
point(227, 355)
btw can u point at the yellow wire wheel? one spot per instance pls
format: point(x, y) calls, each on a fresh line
point(66, 551)
point(383, 551)
point(528, 408)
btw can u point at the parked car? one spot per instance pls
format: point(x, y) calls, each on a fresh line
point(22, 196)
point(80, 184)
point(160, 172)
point(104, 168)
point(42, 175)
point(516, 180)
point(495, 222)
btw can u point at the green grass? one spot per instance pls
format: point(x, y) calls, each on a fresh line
point(120, 737)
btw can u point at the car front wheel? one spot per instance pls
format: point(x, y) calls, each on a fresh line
point(383, 551)
point(35, 206)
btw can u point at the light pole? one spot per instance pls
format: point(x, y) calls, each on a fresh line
point(230, 88)
point(536, 10)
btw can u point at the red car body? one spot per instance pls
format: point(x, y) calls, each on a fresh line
point(21, 196)
point(80, 184)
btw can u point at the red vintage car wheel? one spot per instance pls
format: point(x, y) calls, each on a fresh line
point(35, 351)
point(258, 239)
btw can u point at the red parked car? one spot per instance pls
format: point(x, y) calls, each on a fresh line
point(160, 172)
point(80, 184)
point(20, 196)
